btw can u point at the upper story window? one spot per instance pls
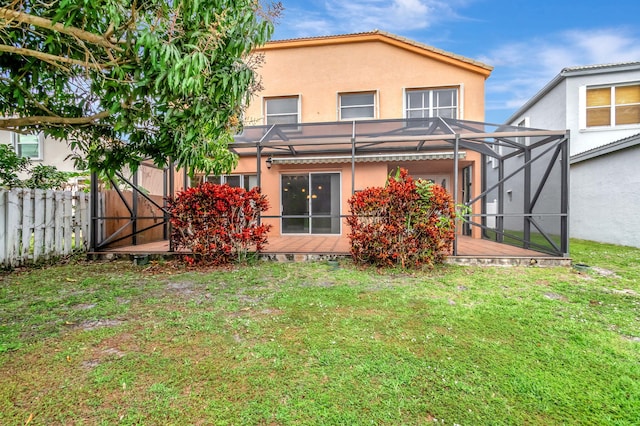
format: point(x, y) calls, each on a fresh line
point(356, 106)
point(613, 105)
point(28, 146)
point(282, 110)
point(424, 103)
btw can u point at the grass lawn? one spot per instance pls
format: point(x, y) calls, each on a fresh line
point(280, 344)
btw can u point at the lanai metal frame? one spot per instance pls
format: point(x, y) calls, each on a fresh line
point(534, 157)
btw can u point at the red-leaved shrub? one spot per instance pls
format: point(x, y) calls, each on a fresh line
point(408, 222)
point(218, 223)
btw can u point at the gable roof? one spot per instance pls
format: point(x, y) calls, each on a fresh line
point(573, 72)
point(614, 146)
point(384, 37)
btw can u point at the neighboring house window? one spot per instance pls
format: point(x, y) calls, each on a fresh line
point(523, 140)
point(243, 181)
point(29, 146)
point(424, 103)
point(613, 106)
point(282, 110)
point(355, 106)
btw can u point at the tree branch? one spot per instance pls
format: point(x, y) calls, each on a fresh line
point(51, 58)
point(13, 123)
point(29, 95)
point(25, 18)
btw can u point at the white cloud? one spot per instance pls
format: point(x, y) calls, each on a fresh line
point(523, 68)
point(605, 46)
point(340, 16)
point(311, 26)
point(365, 15)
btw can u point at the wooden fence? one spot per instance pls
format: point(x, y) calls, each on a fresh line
point(37, 225)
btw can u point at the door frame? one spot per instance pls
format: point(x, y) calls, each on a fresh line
point(310, 214)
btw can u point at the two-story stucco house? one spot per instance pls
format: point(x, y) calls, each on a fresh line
point(364, 81)
point(338, 114)
point(600, 105)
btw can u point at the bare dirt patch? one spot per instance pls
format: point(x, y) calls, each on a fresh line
point(92, 325)
point(604, 272)
point(626, 292)
point(100, 356)
point(556, 296)
point(84, 306)
point(247, 311)
point(188, 290)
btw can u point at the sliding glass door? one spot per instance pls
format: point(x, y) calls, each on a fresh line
point(311, 203)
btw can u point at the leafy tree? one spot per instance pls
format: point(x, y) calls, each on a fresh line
point(10, 165)
point(40, 176)
point(46, 177)
point(125, 80)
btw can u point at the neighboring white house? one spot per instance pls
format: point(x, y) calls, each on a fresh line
point(600, 105)
point(40, 150)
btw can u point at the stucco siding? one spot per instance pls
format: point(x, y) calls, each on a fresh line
point(604, 198)
point(318, 74)
point(550, 112)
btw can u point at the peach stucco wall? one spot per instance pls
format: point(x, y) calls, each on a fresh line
point(317, 74)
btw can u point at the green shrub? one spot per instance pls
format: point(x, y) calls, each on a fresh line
point(10, 165)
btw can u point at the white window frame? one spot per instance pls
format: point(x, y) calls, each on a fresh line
point(15, 140)
point(374, 106)
point(301, 172)
point(582, 94)
point(524, 140)
point(223, 178)
point(432, 108)
point(266, 114)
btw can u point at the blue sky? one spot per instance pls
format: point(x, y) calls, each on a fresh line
point(527, 42)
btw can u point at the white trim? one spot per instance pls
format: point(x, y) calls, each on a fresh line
point(459, 89)
point(376, 102)
point(582, 104)
point(267, 98)
point(582, 107)
point(461, 101)
point(15, 137)
point(299, 173)
point(223, 178)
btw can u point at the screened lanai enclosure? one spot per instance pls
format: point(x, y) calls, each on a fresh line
point(514, 180)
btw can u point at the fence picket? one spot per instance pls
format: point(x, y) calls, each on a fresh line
point(57, 221)
point(82, 210)
point(27, 224)
point(49, 230)
point(38, 224)
point(3, 228)
point(14, 206)
point(68, 215)
point(75, 224)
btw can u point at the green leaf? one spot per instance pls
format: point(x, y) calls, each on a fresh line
point(166, 61)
